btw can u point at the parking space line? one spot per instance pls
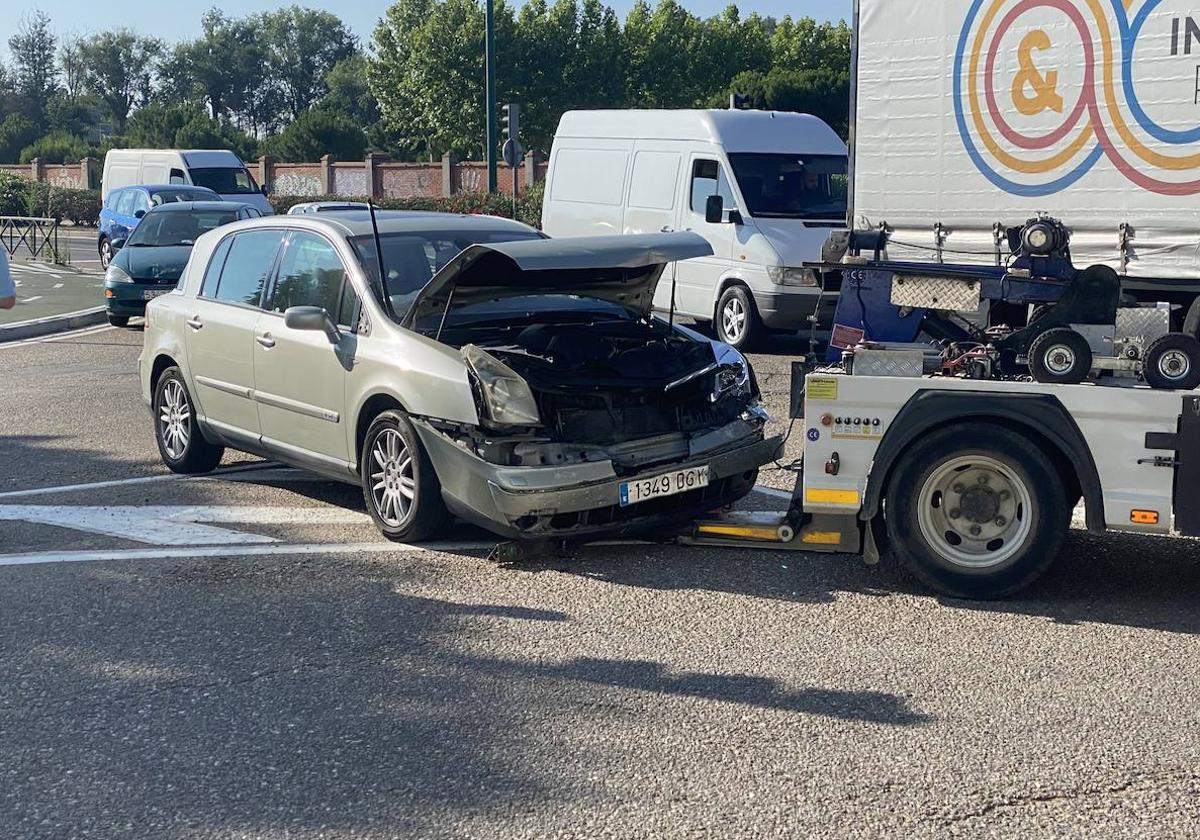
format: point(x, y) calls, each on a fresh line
point(207, 552)
point(124, 482)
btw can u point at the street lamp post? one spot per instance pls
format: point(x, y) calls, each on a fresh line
point(490, 84)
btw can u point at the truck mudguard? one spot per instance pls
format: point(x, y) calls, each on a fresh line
point(1041, 414)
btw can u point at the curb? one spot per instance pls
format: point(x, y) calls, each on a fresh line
point(52, 324)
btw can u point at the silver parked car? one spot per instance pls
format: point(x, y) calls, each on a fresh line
point(487, 372)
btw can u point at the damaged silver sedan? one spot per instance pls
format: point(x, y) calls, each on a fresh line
point(518, 383)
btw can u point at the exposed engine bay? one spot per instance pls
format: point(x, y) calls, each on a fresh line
point(601, 381)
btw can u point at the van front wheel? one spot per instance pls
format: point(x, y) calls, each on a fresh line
point(736, 321)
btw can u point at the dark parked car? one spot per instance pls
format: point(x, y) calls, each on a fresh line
point(124, 208)
point(150, 262)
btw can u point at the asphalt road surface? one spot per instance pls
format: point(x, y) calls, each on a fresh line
point(44, 289)
point(240, 656)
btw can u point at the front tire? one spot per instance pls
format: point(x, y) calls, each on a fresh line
point(118, 320)
point(181, 444)
point(977, 511)
point(1173, 363)
point(401, 489)
point(736, 321)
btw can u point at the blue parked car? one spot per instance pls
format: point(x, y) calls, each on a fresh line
point(151, 261)
point(124, 208)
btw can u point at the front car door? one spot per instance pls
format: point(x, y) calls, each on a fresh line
point(697, 279)
point(220, 330)
point(300, 375)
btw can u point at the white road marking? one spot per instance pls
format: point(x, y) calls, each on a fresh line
point(122, 482)
point(45, 339)
point(177, 524)
point(58, 285)
point(30, 299)
point(169, 553)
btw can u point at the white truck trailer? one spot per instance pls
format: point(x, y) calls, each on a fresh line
point(971, 116)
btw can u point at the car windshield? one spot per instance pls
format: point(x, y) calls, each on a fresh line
point(792, 186)
point(226, 180)
point(163, 230)
point(413, 258)
point(170, 196)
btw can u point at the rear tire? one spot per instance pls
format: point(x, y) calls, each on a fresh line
point(181, 443)
point(1060, 356)
point(118, 320)
point(1173, 363)
point(105, 251)
point(736, 321)
point(401, 488)
point(977, 511)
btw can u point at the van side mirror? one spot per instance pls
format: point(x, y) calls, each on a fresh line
point(714, 209)
point(137, 214)
point(312, 318)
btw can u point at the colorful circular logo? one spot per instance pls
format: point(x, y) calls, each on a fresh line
point(1046, 89)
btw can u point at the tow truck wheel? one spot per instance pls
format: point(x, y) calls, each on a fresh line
point(1173, 363)
point(976, 512)
point(1060, 356)
point(401, 489)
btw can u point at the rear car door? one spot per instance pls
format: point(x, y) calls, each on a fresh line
point(300, 374)
point(220, 330)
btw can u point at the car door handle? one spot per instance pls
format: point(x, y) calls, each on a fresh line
point(195, 323)
point(265, 340)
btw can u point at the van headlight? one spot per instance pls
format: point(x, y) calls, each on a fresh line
point(782, 276)
point(506, 397)
point(117, 275)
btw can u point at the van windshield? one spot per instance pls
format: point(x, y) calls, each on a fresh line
point(226, 180)
point(792, 186)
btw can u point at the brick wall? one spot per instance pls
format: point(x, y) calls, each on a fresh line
point(390, 179)
point(82, 175)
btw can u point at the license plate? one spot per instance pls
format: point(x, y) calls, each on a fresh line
point(668, 484)
point(150, 294)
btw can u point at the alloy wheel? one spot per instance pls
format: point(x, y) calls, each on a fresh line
point(733, 319)
point(393, 484)
point(174, 419)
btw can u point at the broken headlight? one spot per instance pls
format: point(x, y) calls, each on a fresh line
point(733, 376)
point(506, 397)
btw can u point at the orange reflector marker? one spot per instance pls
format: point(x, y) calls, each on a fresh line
point(764, 533)
point(1143, 517)
point(821, 537)
point(109, 293)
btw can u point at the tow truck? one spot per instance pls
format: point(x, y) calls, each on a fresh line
point(953, 453)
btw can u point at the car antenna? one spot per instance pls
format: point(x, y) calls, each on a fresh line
point(383, 291)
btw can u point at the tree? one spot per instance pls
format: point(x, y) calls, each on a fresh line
point(663, 46)
point(16, 132)
point(118, 67)
point(823, 92)
point(303, 46)
point(347, 92)
point(156, 125)
point(71, 63)
point(56, 147)
point(202, 132)
point(78, 115)
point(315, 133)
point(34, 68)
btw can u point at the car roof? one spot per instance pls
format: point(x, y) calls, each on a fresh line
point(358, 222)
point(186, 206)
point(157, 188)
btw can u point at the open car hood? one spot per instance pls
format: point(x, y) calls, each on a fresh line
point(619, 269)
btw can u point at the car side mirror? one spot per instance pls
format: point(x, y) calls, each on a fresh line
point(312, 318)
point(714, 210)
point(265, 190)
point(117, 245)
point(137, 214)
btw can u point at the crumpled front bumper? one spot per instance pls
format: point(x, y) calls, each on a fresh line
point(579, 500)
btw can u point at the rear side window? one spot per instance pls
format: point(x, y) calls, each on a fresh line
point(247, 267)
point(310, 274)
point(590, 176)
point(124, 204)
point(212, 274)
point(113, 199)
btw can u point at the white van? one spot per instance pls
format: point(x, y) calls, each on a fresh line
point(763, 187)
point(221, 171)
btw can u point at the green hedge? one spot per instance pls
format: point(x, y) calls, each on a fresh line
point(23, 197)
point(529, 203)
